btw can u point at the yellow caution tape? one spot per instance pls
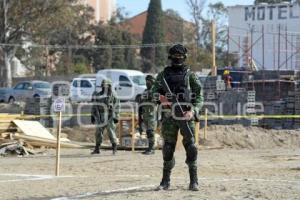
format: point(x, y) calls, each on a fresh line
point(210, 117)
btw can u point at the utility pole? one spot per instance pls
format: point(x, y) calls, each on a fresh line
point(213, 47)
point(4, 20)
point(8, 72)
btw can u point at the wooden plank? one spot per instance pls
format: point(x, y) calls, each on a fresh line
point(33, 128)
point(5, 121)
point(36, 141)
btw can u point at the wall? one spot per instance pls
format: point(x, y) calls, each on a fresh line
point(277, 47)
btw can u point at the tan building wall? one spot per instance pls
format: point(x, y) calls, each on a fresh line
point(104, 9)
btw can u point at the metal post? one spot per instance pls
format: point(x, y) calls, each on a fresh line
point(263, 56)
point(279, 45)
point(251, 47)
point(274, 52)
point(213, 47)
point(278, 54)
point(286, 48)
point(263, 46)
point(205, 124)
point(58, 145)
point(228, 32)
point(292, 42)
point(132, 132)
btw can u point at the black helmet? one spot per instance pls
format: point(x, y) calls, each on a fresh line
point(150, 78)
point(177, 54)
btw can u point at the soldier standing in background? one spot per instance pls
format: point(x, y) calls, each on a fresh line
point(147, 115)
point(105, 115)
point(184, 84)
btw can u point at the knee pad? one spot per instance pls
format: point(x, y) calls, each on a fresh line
point(169, 165)
point(168, 151)
point(191, 152)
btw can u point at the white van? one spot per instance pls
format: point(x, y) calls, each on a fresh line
point(128, 84)
point(82, 89)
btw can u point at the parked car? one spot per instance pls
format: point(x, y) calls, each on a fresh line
point(3, 94)
point(128, 84)
point(28, 89)
point(82, 89)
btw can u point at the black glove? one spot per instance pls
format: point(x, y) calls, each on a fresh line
point(116, 120)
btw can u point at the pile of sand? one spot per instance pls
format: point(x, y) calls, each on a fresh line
point(235, 136)
point(80, 134)
point(240, 137)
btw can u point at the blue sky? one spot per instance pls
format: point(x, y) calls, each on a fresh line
point(134, 7)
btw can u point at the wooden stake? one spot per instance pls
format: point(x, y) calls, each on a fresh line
point(120, 127)
point(197, 130)
point(213, 46)
point(132, 132)
point(205, 124)
point(58, 145)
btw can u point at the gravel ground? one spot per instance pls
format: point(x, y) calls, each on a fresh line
point(224, 174)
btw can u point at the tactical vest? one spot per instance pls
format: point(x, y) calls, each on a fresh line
point(146, 97)
point(179, 82)
point(105, 100)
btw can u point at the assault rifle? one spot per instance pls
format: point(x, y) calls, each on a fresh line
point(183, 124)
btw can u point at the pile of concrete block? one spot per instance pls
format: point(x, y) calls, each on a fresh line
point(250, 108)
point(220, 84)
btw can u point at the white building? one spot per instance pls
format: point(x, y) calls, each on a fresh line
point(104, 9)
point(266, 34)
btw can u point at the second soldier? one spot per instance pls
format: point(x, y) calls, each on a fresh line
point(105, 115)
point(147, 115)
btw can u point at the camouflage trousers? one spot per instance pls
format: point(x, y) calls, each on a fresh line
point(111, 131)
point(150, 126)
point(170, 129)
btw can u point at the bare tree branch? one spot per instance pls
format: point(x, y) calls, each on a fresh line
point(196, 9)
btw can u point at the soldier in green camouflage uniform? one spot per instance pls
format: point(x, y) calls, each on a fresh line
point(147, 115)
point(105, 114)
point(186, 86)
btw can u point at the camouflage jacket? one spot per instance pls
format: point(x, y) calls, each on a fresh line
point(104, 106)
point(146, 106)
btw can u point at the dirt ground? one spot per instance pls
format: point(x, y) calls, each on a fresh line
point(235, 162)
point(224, 174)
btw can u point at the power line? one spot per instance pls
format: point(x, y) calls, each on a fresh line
point(90, 46)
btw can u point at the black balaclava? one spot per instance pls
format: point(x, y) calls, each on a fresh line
point(177, 55)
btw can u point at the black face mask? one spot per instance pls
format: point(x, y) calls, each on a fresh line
point(177, 61)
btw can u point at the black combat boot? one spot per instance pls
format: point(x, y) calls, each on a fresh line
point(193, 179)
point(165, 182)
point(96, 150)
point(114, 148)
point(150, 149)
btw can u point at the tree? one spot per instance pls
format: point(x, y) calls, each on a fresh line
point(154, 34)
point(113, 52)
point(196, 10)
point(28, 21)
